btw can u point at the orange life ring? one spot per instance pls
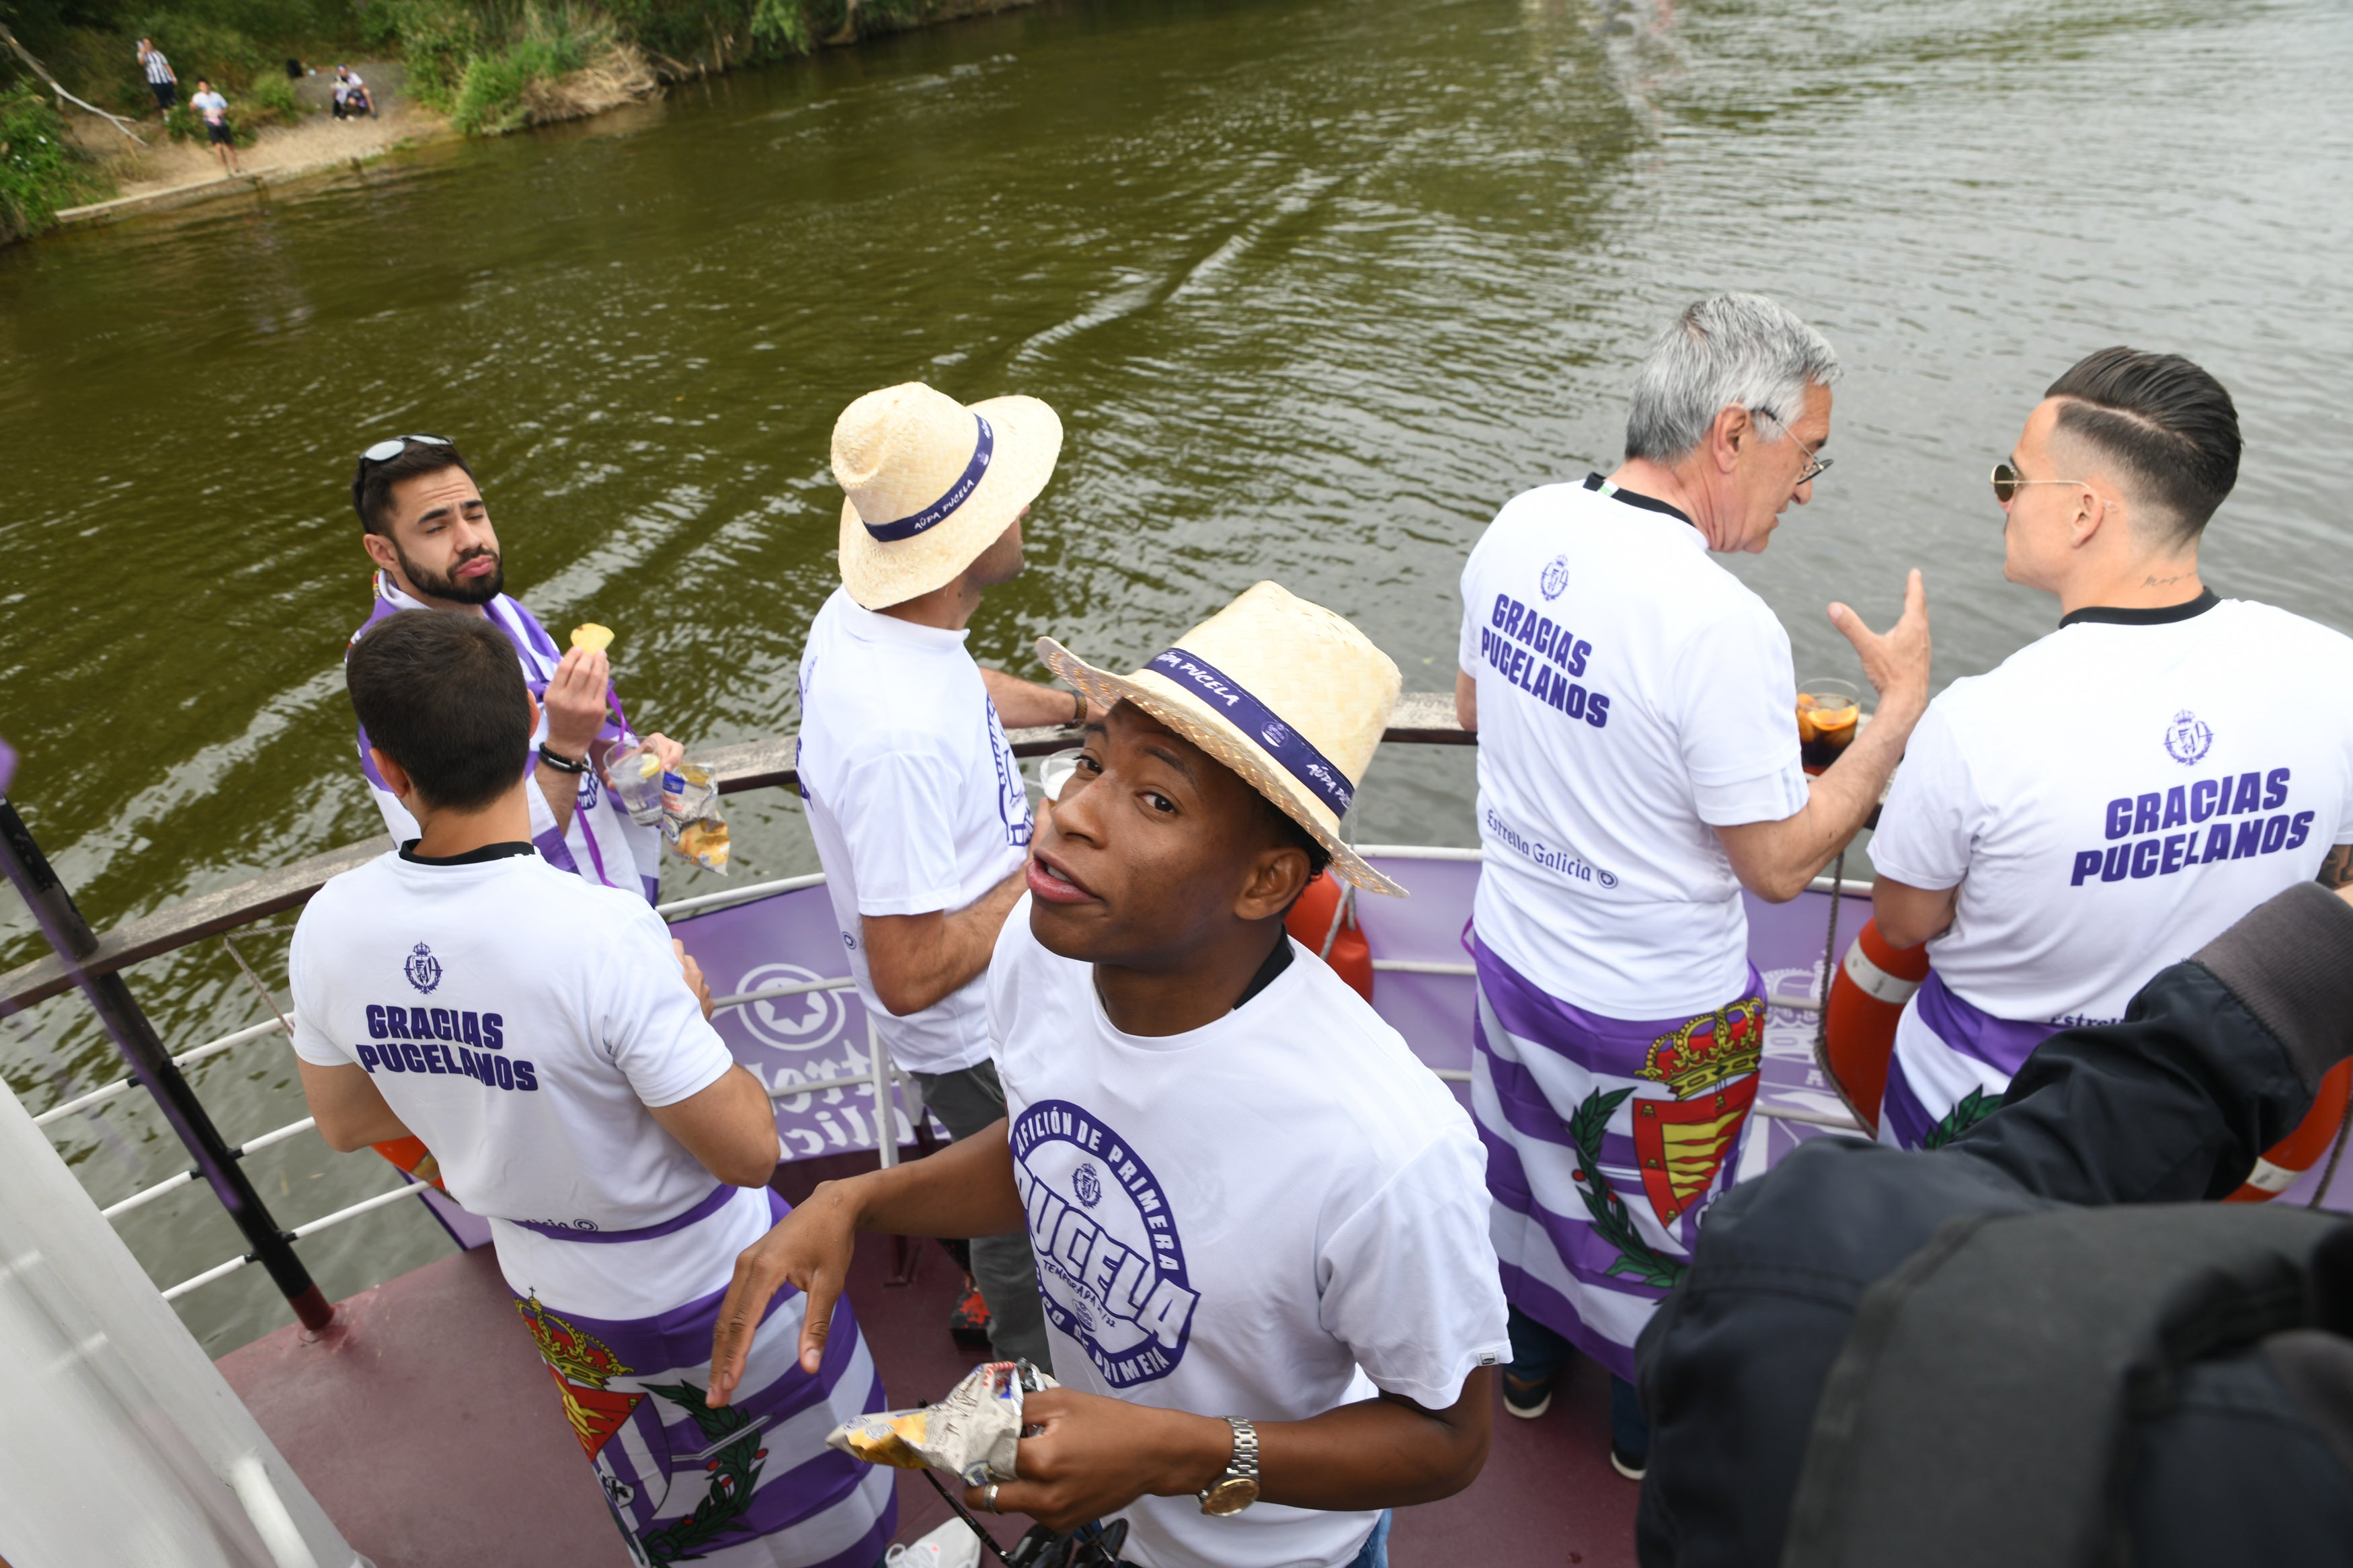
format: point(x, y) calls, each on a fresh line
point(410, 1156)
point(2298, 1152)
point(1323, 924)
point(1867, 997)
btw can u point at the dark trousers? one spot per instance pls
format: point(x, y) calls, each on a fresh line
point(968, 1101)
point(166, 94)
point(1539, 1354)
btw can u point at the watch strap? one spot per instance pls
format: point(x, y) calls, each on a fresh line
point(1244, 1464)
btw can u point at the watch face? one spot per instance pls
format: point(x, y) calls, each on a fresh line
point(1231, 1495)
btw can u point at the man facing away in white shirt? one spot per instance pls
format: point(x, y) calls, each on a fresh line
point(914, 797)
point(1639, 767)
point(2115, 795)
point(537, 1032)
point(1259, 1220)
point(426, 526)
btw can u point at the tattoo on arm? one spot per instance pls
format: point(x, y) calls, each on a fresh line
point(2337, 868)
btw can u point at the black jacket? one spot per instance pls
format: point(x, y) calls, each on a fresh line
point(2248, 1456)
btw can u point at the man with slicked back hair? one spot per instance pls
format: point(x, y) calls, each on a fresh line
point(2113, 795)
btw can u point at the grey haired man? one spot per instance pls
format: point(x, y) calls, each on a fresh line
point(1639, 767)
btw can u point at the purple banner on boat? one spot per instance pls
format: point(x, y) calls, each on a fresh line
point(816, 1037)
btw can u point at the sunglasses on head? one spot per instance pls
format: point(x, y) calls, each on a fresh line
point(2006, 482)
point(384, 451)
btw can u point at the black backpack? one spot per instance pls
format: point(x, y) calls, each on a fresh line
point(1992, 1392)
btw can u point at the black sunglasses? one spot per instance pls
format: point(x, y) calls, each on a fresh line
point(2005, 481)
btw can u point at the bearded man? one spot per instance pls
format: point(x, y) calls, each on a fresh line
point(429, 532)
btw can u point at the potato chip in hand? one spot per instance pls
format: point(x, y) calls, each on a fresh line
point(592, 637)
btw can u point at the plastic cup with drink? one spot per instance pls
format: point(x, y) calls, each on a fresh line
point(1829, 712)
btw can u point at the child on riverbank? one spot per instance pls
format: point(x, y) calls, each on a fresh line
point(215, 109)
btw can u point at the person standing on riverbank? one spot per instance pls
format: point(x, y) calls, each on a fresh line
point(569, 1081)
point(215, 109)
point(916, 804)
point(1638, 768)
point(2110, 798)
point(428, 530)
point(161, 78)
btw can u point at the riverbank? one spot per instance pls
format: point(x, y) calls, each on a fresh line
point(164, 174)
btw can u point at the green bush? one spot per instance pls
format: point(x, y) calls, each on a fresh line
point(38, 171)
point(271, 100)
point(490, 100)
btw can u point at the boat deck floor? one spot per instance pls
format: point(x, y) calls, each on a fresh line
point(423, 1423)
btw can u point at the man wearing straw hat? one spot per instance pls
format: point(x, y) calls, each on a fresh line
point(1639, 768)
point(915, 799)
point(1260, 1222)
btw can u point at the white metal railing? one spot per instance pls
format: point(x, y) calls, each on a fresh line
point(739, 895)
point(1831, 1119)
point(1417, 852)
point(172, 1183)
point(324, 1222)
point(770, 992)
point(185, 1061)
point(882, 1078)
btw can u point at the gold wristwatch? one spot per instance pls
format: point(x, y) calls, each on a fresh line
point(1238, 1487)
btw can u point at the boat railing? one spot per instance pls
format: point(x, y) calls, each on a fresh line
point(97, 962)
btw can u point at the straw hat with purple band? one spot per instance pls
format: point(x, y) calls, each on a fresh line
point(1285, 693)
point(932, 484)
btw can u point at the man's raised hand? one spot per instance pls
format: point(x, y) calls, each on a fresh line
point(1896, 664)
point(809, 1248)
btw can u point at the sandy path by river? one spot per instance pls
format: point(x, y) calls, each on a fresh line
point(317, 141)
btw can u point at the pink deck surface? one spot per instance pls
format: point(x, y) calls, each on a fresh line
point(427, 1426)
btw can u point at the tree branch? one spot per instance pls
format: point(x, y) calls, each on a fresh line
point(42, 71)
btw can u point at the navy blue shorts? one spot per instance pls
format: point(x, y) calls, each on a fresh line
point(218, 133)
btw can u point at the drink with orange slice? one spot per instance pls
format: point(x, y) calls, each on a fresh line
point(1827, 712)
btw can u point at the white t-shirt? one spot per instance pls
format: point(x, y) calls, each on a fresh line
point(1634, 695)
point(1270, 1216)
point(520, 1020)
point(212, 104)
point(914, 800)
point(2117, 794)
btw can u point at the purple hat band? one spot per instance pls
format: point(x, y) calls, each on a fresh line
point(1256, 719)
point(957, 494)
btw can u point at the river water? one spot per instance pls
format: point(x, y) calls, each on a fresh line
point(1316, 285)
